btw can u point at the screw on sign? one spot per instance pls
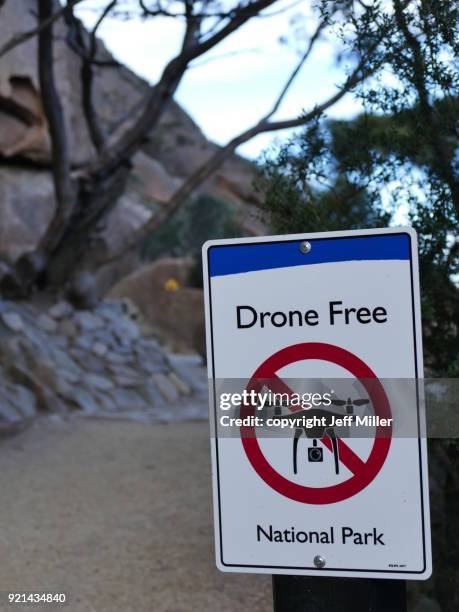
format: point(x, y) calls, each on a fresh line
point(363, 472)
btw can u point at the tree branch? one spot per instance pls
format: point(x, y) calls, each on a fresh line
point(295, 72)
point(215, 161)
point(87, 80)
point(163, 92)
point(223, 56)
point(77, 34)
point(93, 34)
point(264, 125)
point(64, 189)
point(18, 39)
point(159, 11)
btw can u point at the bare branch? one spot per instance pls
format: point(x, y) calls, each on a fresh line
point(93, 35)
point(18, 39)
point(77, 38)
point(223, 56)
point(215, 161)
point(112, 63)
point(87, 80)
point(159, 11)
point(63, 187)
point(296, 71)
point(264, 125)
point(163, 92)
point(356, 77)
point(156, 12)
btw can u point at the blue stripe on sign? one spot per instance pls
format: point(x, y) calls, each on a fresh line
point(249, 257)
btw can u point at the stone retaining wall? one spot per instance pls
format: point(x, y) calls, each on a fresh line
point(61, 360)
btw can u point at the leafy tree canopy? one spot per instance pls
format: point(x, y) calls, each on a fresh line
point(396, 162)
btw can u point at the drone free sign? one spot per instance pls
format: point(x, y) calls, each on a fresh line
point(338, 306)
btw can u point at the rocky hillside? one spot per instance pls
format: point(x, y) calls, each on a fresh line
point(172, 153)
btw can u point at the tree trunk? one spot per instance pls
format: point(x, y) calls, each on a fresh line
point(96, 198)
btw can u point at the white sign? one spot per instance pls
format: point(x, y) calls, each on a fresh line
point(318, 499)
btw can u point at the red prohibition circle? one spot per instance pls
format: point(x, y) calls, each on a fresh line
point(365, 471)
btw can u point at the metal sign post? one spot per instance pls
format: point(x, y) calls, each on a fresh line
point(304, 594)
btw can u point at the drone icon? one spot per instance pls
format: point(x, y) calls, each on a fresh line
point(315, 454)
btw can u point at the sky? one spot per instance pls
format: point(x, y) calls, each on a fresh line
point(231, 87)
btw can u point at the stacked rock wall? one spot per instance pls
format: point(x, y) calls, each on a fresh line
point(96, 363)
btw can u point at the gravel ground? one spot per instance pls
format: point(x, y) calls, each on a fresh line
point(118, 515)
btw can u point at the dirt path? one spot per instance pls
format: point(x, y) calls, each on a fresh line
point(117, 514)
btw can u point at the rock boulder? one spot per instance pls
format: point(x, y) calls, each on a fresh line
point(173, 309)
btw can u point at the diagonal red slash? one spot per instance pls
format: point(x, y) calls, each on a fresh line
point(346, 455)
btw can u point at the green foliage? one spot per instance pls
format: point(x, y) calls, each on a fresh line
point(200, 219)
point(306, 193)
point(396, 161)
point(392, 149)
